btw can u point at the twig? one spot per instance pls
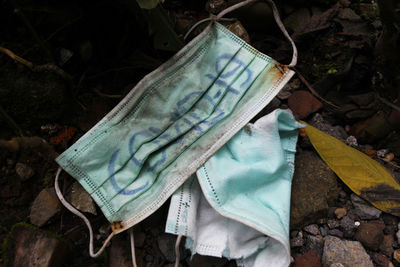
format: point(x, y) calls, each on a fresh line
point(388, 103)
point(308, 85)
point(97, 91)
point(16, 58)
point(45, 67)
point(54, 69)
point(11, 122)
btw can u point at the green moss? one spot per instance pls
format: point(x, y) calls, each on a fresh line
point(332, 71)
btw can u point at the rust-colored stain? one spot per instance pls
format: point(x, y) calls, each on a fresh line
point(281, 68)
point(116, 225)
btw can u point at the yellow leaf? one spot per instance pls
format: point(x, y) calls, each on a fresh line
point(363, 175)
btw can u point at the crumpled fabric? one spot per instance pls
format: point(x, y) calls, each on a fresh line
point(238, 204)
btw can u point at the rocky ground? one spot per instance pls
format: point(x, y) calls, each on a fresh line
point(101, 61)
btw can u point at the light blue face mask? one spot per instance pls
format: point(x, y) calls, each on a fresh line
point(238, 207)
point(174, 119)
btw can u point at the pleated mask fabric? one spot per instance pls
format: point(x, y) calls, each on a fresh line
point(238, 206)
point(171, 122)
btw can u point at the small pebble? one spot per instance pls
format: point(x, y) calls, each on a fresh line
point(340, 212)
point(297, 241)
point(396, 255)
point(24, 171)
point(382, 153)
point(351, 141)
point(357, 224)
point(389, 157)
point(324, 230)
point(333, 224)
point(312, 229)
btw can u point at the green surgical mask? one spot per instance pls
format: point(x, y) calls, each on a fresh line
point(171, 122)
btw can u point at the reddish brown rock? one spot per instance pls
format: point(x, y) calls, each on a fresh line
point(308, 259)
point(302, 103)
point(380, 260)
point(370, 234)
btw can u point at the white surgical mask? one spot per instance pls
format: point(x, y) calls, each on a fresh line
point(238, 205)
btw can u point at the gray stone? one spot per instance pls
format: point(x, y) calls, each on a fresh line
point(312, 229)
point(314, 187)
point(348, 253)
point(336, 232)
point(336, 131)
point(24, 171)
point(348, 226)
point(166, 244)
point(314, 243)
point(324, 230)
point(352, 141)
point(297, 241)
point(364, 210)
point(45, 206)
point(81, 199)
point(35, 248)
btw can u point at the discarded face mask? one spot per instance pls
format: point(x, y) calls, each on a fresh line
point(171, 122)
point(238, 207)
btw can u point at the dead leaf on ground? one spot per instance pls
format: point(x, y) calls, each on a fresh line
point(363, 175)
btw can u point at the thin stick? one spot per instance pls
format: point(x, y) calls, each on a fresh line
point(388, 103)
point(97, 91)
point(16, 58)
point(308, 85)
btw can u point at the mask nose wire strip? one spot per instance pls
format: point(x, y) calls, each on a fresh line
point(241, 4)
point(79, 214)
point(131, 237)
point(177, 252)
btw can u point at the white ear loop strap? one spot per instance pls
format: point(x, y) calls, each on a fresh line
point(132, 247)
point(177, 251)
point(79, 214)
point(239, 5)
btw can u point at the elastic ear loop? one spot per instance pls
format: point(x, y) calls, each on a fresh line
point(79, 214)
point(177, 251)
point(133, 255)
point(276, 17)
